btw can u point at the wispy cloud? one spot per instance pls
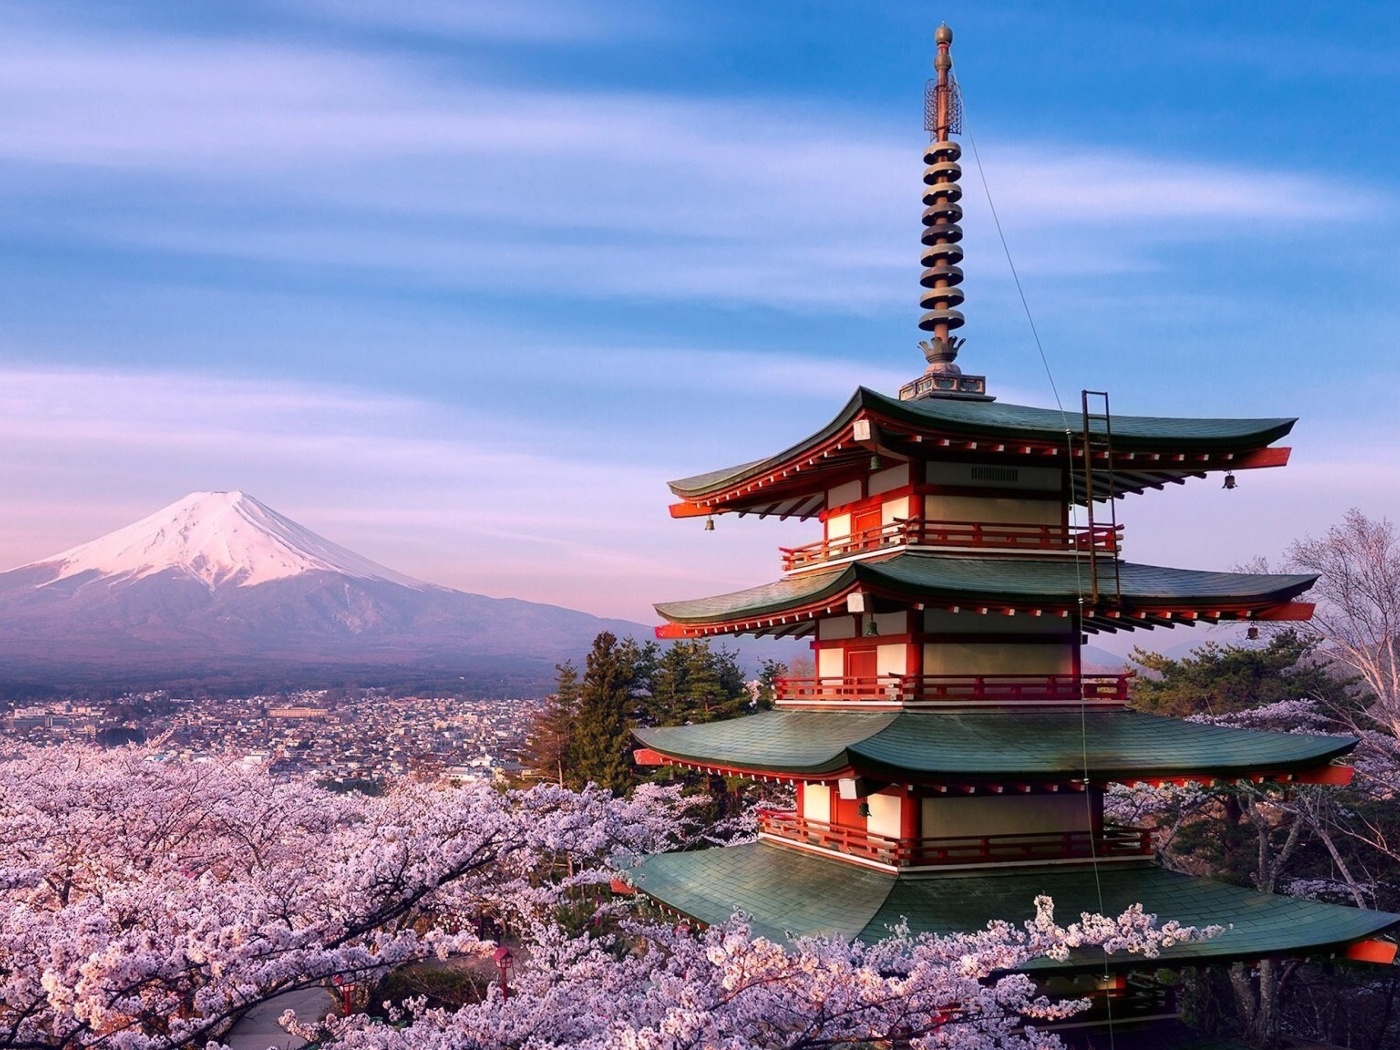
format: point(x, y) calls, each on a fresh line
point(316, 156)
point(540, 21)
point(1049, 183)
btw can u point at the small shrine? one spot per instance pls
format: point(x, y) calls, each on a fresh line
point(950, 753)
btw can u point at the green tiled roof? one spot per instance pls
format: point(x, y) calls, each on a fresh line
point(977, 419)
point(788, 892)
point(782, 891)
point(970, 579)
point(1118, 745)
point(789, 593)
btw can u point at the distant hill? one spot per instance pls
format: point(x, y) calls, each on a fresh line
point(218, 588)
point(1095, 659)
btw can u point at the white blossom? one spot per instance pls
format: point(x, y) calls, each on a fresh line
point(143, 905)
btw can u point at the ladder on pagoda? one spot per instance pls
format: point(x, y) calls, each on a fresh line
point(1104, 578)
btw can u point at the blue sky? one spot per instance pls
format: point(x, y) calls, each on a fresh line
point(461, 284)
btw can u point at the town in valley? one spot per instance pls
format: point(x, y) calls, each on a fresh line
point(347, 738)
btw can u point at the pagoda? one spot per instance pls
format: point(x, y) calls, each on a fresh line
point(950, 754)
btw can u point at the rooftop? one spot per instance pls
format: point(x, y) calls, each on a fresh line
point(787, 893)
point(984, 746)
point(1151, 595)
point(1148, 451)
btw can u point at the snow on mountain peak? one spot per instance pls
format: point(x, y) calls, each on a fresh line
point(219, 538)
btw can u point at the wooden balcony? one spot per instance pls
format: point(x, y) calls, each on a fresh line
point(954, 688)
point(1113, 841)
point(914, 532)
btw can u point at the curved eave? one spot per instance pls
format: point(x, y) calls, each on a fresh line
point(788, 894)
point(970, 748)
point(1148, 451)
point(1151, 596)
point(714, 482)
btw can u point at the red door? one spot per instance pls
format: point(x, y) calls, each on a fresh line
point(845, 812)
point(861, 677)
point(865, 527)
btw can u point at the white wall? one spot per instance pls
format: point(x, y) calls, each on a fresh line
point(994, 659)
point(964, 475)
point(988, 509)
point(1004, 815)
point(891, 623)
point(884, 815)
point(892, 509)
point(891, 659)
point(836, 627)
point(816, 802)
point(831, 663)
point(971, 622)
point(843, 494)
point(884, 480)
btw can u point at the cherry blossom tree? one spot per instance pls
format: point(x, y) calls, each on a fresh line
point(1358, 602)
point(723, 988)
point(144, 905)
point(1256, 834)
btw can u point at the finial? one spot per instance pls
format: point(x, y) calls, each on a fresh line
point(942, 252)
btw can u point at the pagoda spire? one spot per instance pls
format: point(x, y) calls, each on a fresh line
point(942, 252)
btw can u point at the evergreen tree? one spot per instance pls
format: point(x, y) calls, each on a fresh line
point(670, 682)
point(1225, 679)
point(693, 683)
point(608, 695)
point(768, 676)
point(584, 731)
point(724, 692)
point(549, 748)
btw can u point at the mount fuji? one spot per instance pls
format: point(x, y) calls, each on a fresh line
point(220, 588)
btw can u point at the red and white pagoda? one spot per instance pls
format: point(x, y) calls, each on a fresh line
point(950, 755)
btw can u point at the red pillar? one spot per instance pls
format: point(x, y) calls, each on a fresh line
point(909, 815)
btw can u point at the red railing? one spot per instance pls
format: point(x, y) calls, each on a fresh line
point(988, 688)
point(1102, 539)
point(1113, 841)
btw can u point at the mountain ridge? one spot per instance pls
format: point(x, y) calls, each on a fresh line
point(222, 538)
point(219, 584)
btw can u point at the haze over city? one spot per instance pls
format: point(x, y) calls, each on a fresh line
point(460, 286)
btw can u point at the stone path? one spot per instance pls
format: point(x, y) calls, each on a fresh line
point(258, 1028)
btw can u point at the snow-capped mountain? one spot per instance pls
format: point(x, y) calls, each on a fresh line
point(218, 585)
point(219, 538)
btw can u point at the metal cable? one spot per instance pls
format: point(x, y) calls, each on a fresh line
point(1078, 554)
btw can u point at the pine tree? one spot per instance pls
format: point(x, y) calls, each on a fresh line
point(549, 748)
point(768, 676)
point(1223, 679)
point(691, 682)
point(670, 681)
point(608, 695)
point(717, 689)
